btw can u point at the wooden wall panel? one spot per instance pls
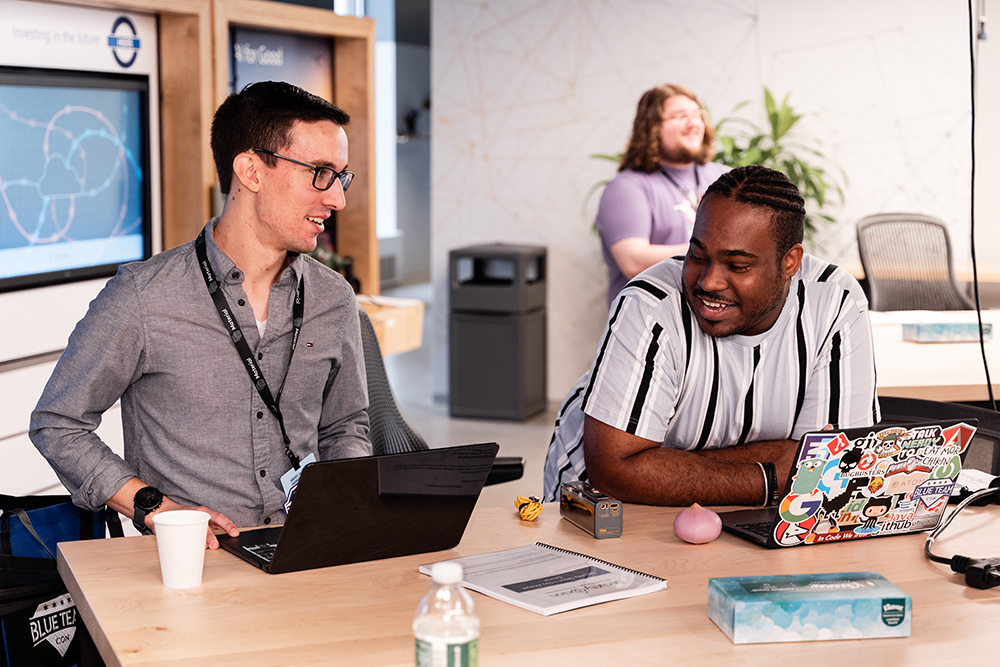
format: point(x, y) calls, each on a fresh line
point(354, 91)
point(184, 132)
point(354, 76)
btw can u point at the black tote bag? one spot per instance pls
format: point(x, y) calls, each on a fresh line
point(39, 624)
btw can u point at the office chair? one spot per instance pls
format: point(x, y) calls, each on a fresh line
point(388, 431)
point(984, 450)
point(907, 262)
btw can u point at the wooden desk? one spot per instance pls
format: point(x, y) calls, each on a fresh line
point(988, 270)
point(934, 371)
point(361, 614)
point(398, 323)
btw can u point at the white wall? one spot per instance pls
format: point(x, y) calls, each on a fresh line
point(385, 139)
point(987, 210)
point(523, 94)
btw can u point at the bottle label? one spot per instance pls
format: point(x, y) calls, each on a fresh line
point(443, 654)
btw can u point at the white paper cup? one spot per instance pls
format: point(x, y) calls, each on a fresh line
point(180, 539)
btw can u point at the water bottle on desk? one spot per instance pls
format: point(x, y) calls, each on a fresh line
point(445, 626)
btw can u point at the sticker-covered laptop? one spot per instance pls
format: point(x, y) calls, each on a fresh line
point(864, 482)
point(373, 507)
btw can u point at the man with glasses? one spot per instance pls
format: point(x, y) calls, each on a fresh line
point(236, 357)
point(647, 211)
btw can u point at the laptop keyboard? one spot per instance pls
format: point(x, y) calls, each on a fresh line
point(263, 551)
point(761, 528)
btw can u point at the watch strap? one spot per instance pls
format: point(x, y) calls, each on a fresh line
point(139, 513)
point(139, 521)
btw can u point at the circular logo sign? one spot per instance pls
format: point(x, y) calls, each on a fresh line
point(124, 41)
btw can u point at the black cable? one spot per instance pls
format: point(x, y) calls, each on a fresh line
point(979, 572)
point(972, 208)
point(945, 523)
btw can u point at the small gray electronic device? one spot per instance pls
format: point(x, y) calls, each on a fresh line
point(596, 513)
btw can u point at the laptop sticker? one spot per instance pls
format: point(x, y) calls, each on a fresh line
point(887, 481)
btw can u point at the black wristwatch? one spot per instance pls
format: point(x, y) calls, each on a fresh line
point(146, 500)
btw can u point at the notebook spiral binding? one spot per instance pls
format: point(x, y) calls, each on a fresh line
point(598, 560)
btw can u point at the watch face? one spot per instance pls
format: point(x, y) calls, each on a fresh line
point(148, 498)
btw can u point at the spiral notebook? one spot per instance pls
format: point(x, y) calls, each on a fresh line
point(548, 580)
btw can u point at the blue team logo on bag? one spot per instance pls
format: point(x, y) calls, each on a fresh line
point(124, 41)
point(54, 622)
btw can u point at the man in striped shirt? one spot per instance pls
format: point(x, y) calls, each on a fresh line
point(712, 368)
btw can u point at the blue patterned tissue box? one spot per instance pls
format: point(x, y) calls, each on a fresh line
point(946, 332)
point(808, 607)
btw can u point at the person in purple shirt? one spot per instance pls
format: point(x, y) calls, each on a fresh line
point(647, 210)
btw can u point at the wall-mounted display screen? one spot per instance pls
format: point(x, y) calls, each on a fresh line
point(74, 166)
point(264, 55)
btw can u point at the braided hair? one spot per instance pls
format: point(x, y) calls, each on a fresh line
point(760, 186)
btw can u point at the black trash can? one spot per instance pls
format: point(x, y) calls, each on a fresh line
point(496, 328)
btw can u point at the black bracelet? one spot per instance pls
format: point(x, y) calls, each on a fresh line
point(772, 484)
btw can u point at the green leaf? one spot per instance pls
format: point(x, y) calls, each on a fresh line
point(780, 145)
point(590, 193)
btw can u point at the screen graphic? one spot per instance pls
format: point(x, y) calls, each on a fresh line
point(73, 162)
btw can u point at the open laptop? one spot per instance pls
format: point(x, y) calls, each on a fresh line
point(863, 482)
point(354, 510)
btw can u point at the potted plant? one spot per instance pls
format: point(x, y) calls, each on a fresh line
point(777, 146)
point(325, 254)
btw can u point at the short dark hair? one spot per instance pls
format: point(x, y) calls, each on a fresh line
point(261, 116)
point(760, 186)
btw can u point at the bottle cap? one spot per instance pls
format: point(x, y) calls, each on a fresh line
point(446, 573)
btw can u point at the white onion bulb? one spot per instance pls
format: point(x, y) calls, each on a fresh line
point(697, 525)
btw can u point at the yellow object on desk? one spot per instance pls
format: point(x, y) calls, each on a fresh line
point(398, 323)
point(528, 507)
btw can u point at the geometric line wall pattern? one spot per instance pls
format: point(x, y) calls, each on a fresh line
point(523, 93)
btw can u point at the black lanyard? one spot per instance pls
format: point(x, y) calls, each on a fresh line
point(239, 340)
point(697, 183)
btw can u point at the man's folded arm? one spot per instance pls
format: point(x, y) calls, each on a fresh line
point(634, 469)
point(635, 255)
point(779, 452)
point(104, 355)
point(345, 438)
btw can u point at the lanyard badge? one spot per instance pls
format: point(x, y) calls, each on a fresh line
point(246, 355)
point(290, 480)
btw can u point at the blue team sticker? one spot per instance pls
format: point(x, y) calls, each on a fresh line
point(930, 492)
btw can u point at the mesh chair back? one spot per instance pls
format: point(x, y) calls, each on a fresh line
point(907, 263)
point(388, 431)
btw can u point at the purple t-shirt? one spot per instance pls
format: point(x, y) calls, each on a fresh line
point(651, 206)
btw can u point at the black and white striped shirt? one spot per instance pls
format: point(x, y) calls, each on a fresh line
point(659, 376)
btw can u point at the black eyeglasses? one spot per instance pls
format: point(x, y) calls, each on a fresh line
point(323, 177)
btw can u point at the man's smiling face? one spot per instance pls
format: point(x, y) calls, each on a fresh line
point(734, 280)
point(292, 210)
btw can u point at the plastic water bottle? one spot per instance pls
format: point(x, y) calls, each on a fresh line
point(445, 626)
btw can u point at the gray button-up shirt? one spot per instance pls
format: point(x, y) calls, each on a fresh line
point(194, 425)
